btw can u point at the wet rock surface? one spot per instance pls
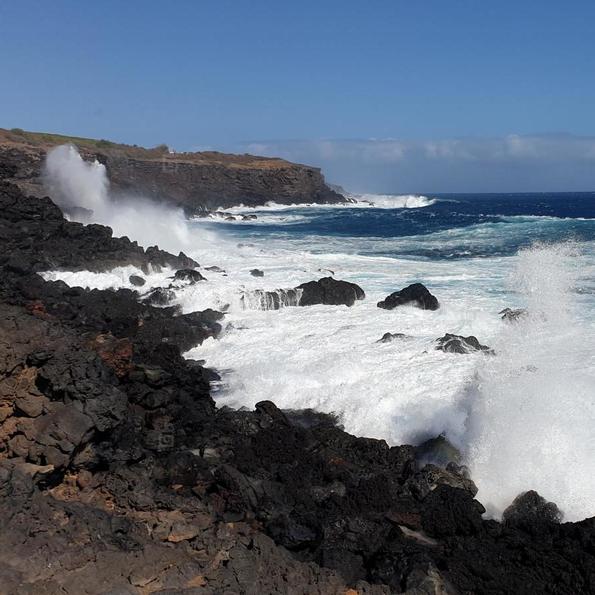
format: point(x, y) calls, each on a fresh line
point(331, 292)
point(118, 474)
point(417, 295)
point(458, 344)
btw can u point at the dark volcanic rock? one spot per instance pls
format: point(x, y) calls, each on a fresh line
point(416, 294)
point(256, 273)
point(190, 276)
point(136, 280)
point(118, 474)
point(330, 291)
point(34, 231)
point(530, 509)
point(459, 344)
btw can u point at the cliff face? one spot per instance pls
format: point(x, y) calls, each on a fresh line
point(194, 181)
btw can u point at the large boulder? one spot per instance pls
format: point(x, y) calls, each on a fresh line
point(416, 294)
point(330, 291)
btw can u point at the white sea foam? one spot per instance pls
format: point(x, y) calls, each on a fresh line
point(394, 201)
point(74, 182)
point(531, 409)
point(354, 201)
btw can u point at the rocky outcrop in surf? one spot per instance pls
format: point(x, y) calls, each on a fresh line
point(197, 182)
point(417, 295)
point(450, 343)
point(330, 291)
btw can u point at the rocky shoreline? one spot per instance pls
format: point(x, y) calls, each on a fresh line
point(118, 473)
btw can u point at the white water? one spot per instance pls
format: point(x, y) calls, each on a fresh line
point(358, 201)
point(524, 418)
point(73, 182)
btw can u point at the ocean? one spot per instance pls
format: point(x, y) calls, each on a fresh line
point(523, 418)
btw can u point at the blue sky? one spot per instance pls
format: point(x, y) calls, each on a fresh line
point(457, 95)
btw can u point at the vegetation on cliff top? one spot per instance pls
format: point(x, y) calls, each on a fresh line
point(46, 140)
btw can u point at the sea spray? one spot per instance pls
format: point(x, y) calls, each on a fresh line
point(531, 410)
point(82, 189)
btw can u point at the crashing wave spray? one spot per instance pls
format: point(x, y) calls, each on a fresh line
point(259, 299)
point(82, 189)
point(531, 413)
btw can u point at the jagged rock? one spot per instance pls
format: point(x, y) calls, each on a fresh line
point(449, 511)
point(330, 291)
point(459, 344)
point(256, 273)
point(136, 280)
point(65, 244)
point(190, 276)
point(431, 476)
point(416, 294)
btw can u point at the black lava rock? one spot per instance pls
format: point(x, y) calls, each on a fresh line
point(189, 275)
point(330, 291)
point(136, 280)
point(416, 294)
point(459, 344)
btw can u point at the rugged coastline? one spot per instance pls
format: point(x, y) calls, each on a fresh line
point(197, 182)
point(119, 474)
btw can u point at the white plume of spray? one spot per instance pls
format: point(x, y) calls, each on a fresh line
point(82, 188)
point(531, 413)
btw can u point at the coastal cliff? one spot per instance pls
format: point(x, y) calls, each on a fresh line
point(197, 182)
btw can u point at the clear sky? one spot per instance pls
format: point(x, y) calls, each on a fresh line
point(434, 95)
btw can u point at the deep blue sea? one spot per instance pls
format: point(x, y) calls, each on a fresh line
point(443, 226)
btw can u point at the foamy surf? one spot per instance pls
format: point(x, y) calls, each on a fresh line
point(354, 201)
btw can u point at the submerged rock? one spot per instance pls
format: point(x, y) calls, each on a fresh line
point(511, 315)
point(459, 344)
point(331, 292)
point(416, 294)
point(390, 337)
